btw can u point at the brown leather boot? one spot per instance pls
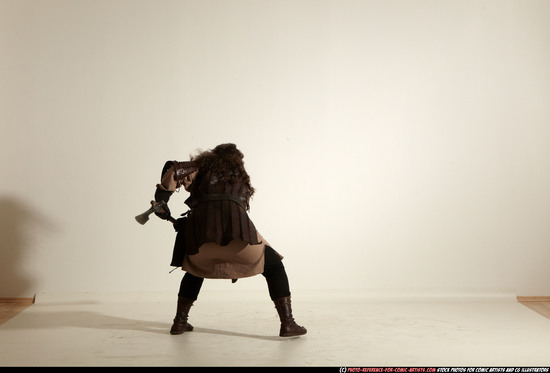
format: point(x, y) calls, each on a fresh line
point(180, 321)
point(289, 328)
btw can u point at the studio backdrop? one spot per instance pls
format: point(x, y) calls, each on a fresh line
point(393, 144)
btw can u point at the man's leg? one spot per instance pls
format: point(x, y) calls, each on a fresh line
point(190, 287)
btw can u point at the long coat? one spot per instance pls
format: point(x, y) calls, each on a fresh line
point(220, 239)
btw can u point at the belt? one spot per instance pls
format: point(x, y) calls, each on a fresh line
point(241, 201)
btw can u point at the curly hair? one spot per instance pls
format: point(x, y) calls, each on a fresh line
point(225, 164)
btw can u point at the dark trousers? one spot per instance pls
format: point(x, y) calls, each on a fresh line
point(274, 273)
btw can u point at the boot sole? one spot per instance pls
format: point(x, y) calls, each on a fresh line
point(293, 334)
point(188, 329)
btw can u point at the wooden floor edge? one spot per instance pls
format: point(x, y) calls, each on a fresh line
point(17, 300)
point(533, 298)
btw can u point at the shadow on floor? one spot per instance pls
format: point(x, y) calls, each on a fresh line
point(96, 320)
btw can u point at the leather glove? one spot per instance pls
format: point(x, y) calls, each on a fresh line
point(164, 196)
point(166, 214)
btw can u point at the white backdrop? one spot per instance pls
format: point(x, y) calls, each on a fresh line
point(393, 144)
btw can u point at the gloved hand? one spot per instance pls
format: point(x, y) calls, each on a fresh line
point(166, 214)
point(163, 196)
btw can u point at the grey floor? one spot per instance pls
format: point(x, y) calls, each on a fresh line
point(349, 329)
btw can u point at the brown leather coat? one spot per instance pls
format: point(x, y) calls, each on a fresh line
point(221, 240)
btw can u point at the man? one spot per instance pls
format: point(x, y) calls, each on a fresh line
point(217, 239)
